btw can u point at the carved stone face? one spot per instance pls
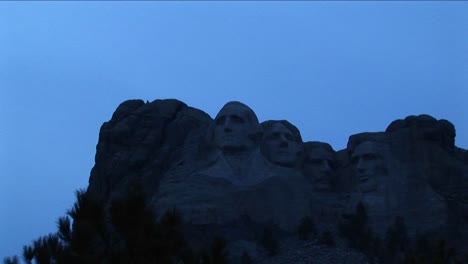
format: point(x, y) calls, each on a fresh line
point(318, 167)
point(280, 145)
point(233, 125)
point(370, 166)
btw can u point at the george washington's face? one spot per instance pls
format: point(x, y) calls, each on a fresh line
point(369, 165)
point(233, 125)
point(280, 145)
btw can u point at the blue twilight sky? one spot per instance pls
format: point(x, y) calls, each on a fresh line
point(331, 68)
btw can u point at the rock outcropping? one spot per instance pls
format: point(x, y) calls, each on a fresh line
point(219, 172)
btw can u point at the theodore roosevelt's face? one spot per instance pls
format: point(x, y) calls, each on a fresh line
point(318, 167)
point(280, 146)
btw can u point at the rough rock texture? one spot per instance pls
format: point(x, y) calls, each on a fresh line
point(311, 252)
point(139, 144)
point(214, 172)
point(282, 197)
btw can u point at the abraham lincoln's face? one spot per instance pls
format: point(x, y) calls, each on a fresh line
point(369, 165)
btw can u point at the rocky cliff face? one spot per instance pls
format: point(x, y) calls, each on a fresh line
point(222, 170)
point(140, 143)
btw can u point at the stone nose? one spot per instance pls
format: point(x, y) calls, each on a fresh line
point(227, 125)
point(283, 141)
point(325, 166)
point(284, 144)
point(361, 170)
point(360, 166)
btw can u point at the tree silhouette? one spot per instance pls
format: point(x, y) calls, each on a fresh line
point(269, 242)
point(246, 258)
point(129, 233)
point(396, 240)
point(218, 251)
point(11, 260)
point(355, 229)
point(431, 250)
point(306, 228)
point(326, 238)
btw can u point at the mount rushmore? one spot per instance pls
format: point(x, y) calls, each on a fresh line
point(223, 172)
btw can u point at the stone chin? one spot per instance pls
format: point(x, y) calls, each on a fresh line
point(322, 182)
point(283, 159)
point(366, 184)
point(322, 186)
point(232, 148)
point(232, 143)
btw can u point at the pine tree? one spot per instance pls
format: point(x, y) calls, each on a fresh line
point(246, 258)
point(11, 260)
point(306, 228)
point(129, 234)
point(218, 251)
point(269, 242)
point(355, 229)
point(326, 238)
point(396, 239)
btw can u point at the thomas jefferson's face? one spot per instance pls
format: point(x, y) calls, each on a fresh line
point(369, 165)
point(318, 167)
point(234, 123)
point(280, 146)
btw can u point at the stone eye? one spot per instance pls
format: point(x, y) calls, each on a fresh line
point(315, 161)
point(220, 120)
point(273, 136)
point(369, 157)
point(289, 137)
point(237, 119)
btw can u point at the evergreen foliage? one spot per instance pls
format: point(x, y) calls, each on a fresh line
point(431, 251)
point(143, 239)
point(396, 242)
point(396, 247)
point(129, 234)
point(28, 254)
point(355, 229)
point(11, 260)
point(326, 238)
point(269, 242)
point(246, 258)
point(306, 228)
point(87, 232)
point(218, 253)
point(64, 229)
